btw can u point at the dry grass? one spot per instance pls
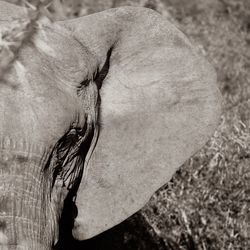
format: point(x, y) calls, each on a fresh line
point(207, 203)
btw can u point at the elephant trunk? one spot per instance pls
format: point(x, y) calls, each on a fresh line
point(25, 211)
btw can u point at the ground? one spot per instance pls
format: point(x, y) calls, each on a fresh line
point(206, 205)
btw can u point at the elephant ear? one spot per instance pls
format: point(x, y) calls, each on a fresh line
point(159, 105)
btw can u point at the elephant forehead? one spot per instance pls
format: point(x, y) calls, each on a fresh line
point(64, 55)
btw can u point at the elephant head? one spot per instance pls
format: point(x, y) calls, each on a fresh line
point(100, 110)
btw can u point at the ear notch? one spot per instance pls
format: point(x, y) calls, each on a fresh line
point(159, 105)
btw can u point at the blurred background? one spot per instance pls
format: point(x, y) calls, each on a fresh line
point(206, 205)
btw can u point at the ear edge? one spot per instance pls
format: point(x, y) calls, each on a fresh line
point(211, 116)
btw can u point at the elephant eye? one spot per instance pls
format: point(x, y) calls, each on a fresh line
point(85, 82)
point(82, 85)
point(98, 76)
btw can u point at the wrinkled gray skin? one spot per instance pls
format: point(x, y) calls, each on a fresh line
point(43, 123)
point(49, 107)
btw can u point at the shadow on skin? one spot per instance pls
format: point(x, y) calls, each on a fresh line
point(132, 234)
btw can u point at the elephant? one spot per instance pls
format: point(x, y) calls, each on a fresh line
point(101, 111)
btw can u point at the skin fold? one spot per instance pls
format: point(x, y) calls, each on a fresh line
point(99, 112)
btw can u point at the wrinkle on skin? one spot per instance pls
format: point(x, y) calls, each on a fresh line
point(21, 198)
point(3, 239)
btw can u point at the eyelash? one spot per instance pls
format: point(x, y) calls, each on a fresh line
point(82, 85)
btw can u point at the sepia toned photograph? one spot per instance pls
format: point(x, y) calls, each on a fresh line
point(124, 125)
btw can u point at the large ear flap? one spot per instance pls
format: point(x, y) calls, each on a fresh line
point(159, 105)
